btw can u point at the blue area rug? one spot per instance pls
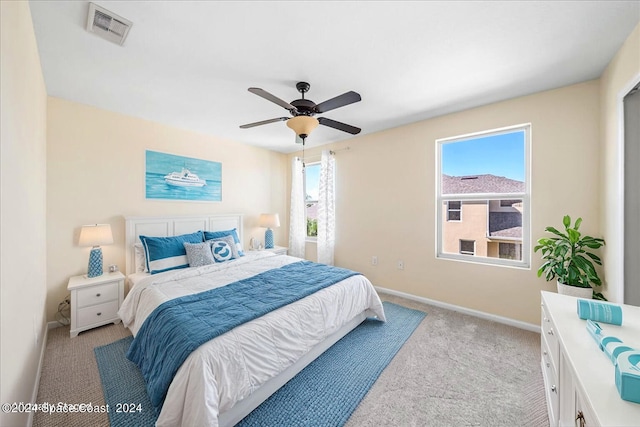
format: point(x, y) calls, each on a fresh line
point(325, 393)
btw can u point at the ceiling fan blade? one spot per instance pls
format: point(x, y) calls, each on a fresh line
point(266, 95)
point(339, 101)
point(339, 125)
point(264, 122)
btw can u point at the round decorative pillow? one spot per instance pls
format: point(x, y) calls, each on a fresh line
point(221, 251)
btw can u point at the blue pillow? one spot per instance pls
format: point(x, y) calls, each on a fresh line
point(168, 253)
point(208, 235)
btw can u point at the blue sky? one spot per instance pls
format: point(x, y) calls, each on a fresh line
point(500, 155)
point(312, 180)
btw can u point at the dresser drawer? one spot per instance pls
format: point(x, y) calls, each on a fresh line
point(551, 384)
point(97, 294)
point(549, 336)
point(97, 313)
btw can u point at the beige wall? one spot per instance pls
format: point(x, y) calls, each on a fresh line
point(385, 185)
point(472, 226)
point(22, 209)
point(96, 166)
point(619, 77)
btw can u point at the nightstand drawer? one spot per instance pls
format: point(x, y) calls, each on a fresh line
point(97, 313)
point(97, 294)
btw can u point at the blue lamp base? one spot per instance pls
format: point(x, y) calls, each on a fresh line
point(268, 239)
point(95, 263)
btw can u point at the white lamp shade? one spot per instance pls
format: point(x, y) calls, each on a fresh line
point(95, 235)
point(269, 220)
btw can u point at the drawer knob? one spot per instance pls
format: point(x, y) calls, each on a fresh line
point(97, 295)
point(580, 417)
point(548, 365)
point(550, 332)
point(554, 388)
point(545, 352)
point(99, 314)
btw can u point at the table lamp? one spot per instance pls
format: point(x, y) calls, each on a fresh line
point(95, 235)
point(269, 221)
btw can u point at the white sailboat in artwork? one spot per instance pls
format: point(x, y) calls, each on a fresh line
point(186, 178)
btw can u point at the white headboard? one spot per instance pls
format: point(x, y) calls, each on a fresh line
point(166, 226)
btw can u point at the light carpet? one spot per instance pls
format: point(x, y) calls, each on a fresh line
point(325, 393)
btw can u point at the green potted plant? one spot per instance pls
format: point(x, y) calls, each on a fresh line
point(567, 258)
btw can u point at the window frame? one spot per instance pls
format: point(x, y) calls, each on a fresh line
point(524, 196)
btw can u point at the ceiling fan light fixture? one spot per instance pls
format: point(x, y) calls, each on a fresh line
point(302, 125)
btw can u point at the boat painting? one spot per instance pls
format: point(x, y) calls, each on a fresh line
point(172, 177)
point(184, 179)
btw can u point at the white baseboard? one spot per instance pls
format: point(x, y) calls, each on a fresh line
point(36, 386)
point(53, 325)
point(476, 313)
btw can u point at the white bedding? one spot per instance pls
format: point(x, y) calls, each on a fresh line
point(229, 368)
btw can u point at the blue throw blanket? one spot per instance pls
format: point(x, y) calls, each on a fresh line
point(177, 327)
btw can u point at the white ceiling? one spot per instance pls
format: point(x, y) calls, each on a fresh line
point(189, 63)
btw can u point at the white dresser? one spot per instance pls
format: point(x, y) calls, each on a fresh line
point(579, 378)
point(95, 301)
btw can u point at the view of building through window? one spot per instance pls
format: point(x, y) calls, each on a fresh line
point(484, 196)
point(311, 189)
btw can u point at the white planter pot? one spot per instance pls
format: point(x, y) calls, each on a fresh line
point(574, 291)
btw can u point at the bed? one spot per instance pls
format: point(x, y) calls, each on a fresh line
point(228, 376)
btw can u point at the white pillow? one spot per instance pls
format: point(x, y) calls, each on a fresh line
point(234, 248)
point(140, 258)
point(221, 250)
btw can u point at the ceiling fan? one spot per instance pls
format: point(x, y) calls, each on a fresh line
point(303, 111)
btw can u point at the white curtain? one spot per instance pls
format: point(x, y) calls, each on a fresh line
point(326, 209)
point(297, 222)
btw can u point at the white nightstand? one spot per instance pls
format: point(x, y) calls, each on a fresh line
point(278, 250)
point(95, 301)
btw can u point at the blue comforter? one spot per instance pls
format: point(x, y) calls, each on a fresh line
point(177, 327)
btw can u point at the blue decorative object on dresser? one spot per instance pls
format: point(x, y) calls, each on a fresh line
point(625, 359)
point(95, 235)
point(599, 311)
point(269, 221)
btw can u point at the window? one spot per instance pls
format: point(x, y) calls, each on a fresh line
point(467, 247)
point(484, 178)
point(311, 190)
point(509, 250)
point(453, 210)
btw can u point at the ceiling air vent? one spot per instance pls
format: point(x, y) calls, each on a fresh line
point(107, 24)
